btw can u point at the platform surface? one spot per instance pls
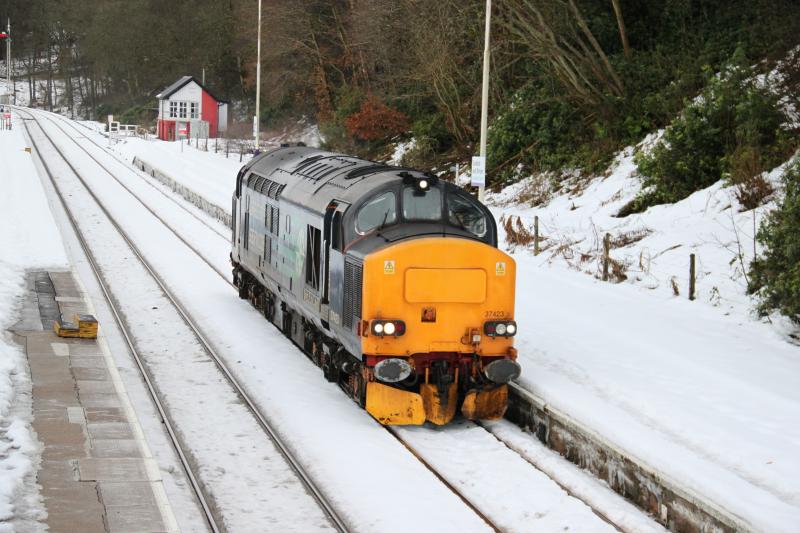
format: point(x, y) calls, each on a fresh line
point(96, 473)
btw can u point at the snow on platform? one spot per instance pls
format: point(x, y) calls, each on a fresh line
point(28, 239)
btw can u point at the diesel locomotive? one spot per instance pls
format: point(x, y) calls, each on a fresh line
point(388, 278)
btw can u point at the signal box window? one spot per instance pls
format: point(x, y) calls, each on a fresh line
point(376, 213)
point(193, 110)
point(173, 110)
point(422, 206)
point(465, 214)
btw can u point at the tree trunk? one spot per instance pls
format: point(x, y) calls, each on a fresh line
point(623, 35)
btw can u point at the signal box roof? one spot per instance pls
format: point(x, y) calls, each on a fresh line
point(185, 80)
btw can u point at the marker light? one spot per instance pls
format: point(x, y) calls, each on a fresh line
point(388, 328)
point(378, 328)
point(505, 328)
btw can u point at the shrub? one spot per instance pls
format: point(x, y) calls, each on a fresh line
point(347, 100)
point(732, 130)
point(776, 275)
point(537, 131)
point(375, 121)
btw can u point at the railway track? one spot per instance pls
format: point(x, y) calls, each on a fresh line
point(60, 122)
point(210, 508)
point(469, 501)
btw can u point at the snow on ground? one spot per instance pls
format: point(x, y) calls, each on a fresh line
point(701, 391)
point(577, 481)
point(360, 466)
point(523, 498)
point(231, 449)
point(302, 131)
point(29, 240)
point(208, 173)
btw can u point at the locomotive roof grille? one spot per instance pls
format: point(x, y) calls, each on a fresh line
point(265, 186)
point(365, 171)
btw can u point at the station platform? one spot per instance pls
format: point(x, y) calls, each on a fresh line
point(96, 472)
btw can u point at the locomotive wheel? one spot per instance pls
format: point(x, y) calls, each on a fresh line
point(358, 387)
point(240, 281)
point(269, 307)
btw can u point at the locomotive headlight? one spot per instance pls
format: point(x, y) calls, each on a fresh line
point(423, 184)
point(511, 329)
point(393, 328)
point(500, 329)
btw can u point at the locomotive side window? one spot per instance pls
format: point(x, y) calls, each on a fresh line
point(313, 250)
point(462, 212)
point(377, 212)
point(422, 206)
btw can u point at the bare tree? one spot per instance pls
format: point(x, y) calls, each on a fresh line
point(555, 31)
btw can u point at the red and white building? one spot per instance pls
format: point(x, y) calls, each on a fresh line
point(188, 109)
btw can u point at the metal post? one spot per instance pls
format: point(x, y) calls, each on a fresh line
point(485, 90)
point(258, 79)
point(536, 235)
point(8, 65)
point(692, 276)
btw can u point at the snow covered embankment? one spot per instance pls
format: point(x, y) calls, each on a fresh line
point(671, 382)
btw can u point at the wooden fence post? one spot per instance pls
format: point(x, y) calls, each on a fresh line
point(606, 249)
point(536, 235)
point(692, 276)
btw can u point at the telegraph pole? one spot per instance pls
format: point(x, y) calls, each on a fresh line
point(485, 93)
point(258, 80)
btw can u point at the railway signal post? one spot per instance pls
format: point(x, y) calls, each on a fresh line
point(6, 36)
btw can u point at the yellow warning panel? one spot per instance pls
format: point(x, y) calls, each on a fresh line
point(81, 327)
point(445, 285)
point(391, 406)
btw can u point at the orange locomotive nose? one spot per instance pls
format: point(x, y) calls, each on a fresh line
point(440, 293)
point(456, 304)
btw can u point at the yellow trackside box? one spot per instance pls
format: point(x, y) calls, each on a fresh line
point(82, 327)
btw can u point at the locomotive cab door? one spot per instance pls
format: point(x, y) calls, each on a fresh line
point(332, 293)
point(332, 237)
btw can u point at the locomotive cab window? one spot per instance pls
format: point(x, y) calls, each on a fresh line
point(422, 205)
point(377, 212)
point(463, 212)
